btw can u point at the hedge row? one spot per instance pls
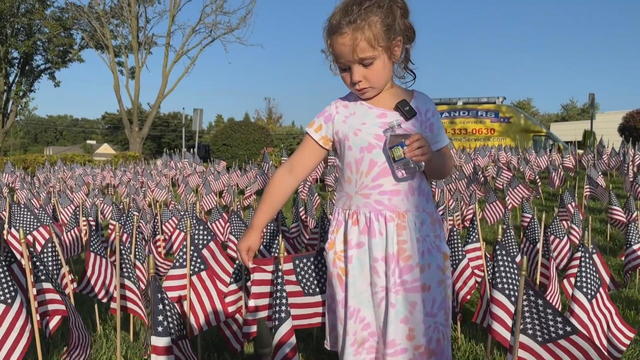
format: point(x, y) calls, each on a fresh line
point(31, 162)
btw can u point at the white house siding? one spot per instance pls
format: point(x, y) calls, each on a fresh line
point(605, 125)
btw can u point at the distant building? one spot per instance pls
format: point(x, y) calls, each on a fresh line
point(98, 151)
point(605, 125)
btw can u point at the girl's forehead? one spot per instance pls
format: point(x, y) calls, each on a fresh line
point(346, 47)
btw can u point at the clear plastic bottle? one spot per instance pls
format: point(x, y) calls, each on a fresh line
point(402, 168)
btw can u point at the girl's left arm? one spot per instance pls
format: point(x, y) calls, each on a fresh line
point(439, 165)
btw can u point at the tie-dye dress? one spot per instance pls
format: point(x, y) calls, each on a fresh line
point(389, 280)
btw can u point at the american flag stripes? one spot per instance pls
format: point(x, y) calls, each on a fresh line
point(493, 209)
point(16, 331)
point(526, 214)
point(99, 279)
point(473, 249)
point(284, 338)
point(305, 282)
point(545, 333)
point(463, 278)
point(574, 231)
point(592, 311)
point(630, 211)
point(559, 242)
point(504, 292)
point(130, 292)
point(516, 192)
point(79, 345)
point(36, 234)
point(632, 250)
point(615, 214)
point(168, 335)
point(50, 307)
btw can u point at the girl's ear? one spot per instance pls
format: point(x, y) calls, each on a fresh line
point(397, 48)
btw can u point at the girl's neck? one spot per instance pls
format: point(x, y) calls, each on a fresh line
point(389, 97)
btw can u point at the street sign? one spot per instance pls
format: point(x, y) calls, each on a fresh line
point(196, 122)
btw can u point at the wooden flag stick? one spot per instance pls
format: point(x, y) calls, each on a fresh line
point(584, 198)
point(118, 300)
point(638, 270)
point(32, 300)
point(518, 320)
point(5, 231)
point(488, 288)
point(133, 261)
point(65, 268)
point(589, 238)
point(540, 249)
point(188, 275)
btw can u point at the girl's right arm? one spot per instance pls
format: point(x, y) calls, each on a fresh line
point(282, 184)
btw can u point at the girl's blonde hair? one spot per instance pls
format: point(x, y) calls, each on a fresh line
point(379, 22)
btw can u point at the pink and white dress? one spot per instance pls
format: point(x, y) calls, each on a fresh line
point(389, 279)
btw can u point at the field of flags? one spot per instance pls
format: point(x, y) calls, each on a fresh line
point(140, 260)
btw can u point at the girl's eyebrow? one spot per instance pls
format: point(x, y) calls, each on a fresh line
point(366, 57)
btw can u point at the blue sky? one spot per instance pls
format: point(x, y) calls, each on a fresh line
point(548, 50)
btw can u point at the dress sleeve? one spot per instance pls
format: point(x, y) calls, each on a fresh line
point(321, 127)
point(432, 128)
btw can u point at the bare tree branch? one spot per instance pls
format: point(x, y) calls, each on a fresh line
point(125, 33)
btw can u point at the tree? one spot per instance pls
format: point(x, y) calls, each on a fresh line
point(37, 39)
point(629, 128)
point(246, 117)
point(165, 135)
point(573, 111)
point(288, 137)
point(527, 106)
point(126, 32)
point(270, 117)
point(240, 141)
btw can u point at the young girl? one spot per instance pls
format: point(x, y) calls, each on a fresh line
point(389, 286)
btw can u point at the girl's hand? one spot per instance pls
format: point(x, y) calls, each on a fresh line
point(248, 246)
point(418, 149)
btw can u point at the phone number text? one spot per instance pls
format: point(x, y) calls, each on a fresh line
point(471, 131)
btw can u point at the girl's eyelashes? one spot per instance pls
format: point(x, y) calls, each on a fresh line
point(364, 64)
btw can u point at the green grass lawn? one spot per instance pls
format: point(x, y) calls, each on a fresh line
point(470, 345)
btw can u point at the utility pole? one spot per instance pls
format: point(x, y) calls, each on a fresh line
point(196, 123)
point(183, 148)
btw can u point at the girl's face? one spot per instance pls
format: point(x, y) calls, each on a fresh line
point(365, 70)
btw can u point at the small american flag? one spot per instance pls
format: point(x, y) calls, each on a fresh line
point(559, 242)
point(79, 346)
point(530, 244)
point(168, 335)
point(493, 209)
point(130, 293)
point(632, 250)
point(566, 207)
point(473, 250)
point(15, 316)
point(545, 333)
point(284, 338)
point(305, 277)
point(504, 292)
point(574, 232)
point(630, 211)
point(35, 232)
point(615, 214)
point(526, 215)
point(593, 312)
point(463, 278)
point(99, 280)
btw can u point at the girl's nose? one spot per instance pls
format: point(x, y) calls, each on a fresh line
point(356, 77)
